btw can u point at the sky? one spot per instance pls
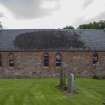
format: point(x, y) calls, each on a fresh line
point(48, 14)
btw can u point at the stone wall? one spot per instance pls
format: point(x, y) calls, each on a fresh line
point(30, 64)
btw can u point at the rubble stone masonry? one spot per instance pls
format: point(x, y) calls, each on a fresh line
point(31, 64)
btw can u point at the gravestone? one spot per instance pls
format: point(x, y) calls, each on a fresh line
point(62, 78)
point(70, 87)
point(99, 72)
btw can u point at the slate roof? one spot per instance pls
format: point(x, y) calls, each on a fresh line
point(51, 39)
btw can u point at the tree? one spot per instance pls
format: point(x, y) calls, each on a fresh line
point(68, 27)
point(93, 25)
point(1, 26)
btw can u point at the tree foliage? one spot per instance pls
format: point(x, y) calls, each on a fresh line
point(93, 25)
point(68, 27)
point(1, 26)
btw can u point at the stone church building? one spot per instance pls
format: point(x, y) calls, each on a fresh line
point(42, 52)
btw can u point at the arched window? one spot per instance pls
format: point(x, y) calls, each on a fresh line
point(0, 59)
point(46, 59)
point(11, 60)
point(95, 57)
point(58, 59)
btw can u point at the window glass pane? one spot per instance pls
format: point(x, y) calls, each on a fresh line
point(46, 59)
point(58, 59)
point(95, 58)
point(11, 60)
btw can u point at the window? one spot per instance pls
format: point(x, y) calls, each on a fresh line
point(58, 59)
point(46, 59)
point(11, 60)
point(0, 60)
point(95, 57)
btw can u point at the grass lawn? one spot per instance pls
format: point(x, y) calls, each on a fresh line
point(43, 92)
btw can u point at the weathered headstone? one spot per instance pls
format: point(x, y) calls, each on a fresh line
point(62, 78)
point(70, 87)
point(99, 72)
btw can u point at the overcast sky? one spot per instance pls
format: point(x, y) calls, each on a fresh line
point(50, 13)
